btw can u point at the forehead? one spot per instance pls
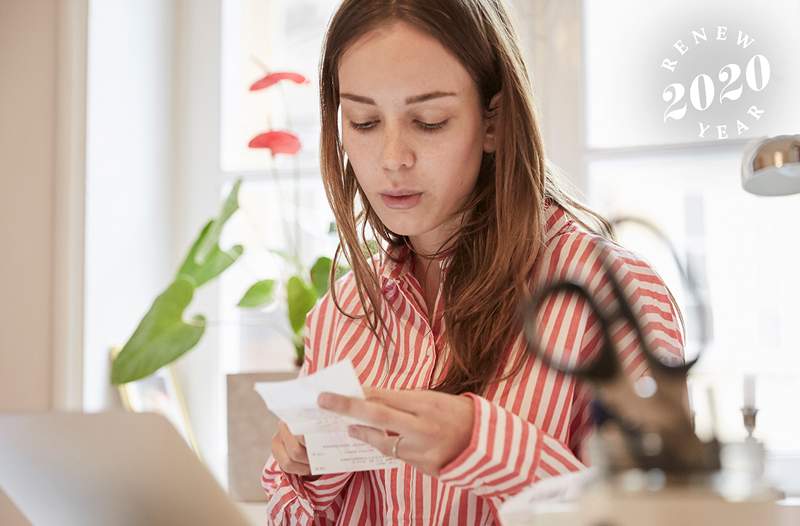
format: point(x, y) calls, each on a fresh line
point(393, 62)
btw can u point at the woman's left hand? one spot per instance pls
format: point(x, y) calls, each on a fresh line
point(435, 427)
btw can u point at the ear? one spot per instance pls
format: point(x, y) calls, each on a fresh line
point(490, 124)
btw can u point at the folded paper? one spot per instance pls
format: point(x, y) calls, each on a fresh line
point(329, 448)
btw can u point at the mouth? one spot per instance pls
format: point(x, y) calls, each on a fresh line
point(401, 200)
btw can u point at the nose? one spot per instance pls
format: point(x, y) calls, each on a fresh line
point(396, 152)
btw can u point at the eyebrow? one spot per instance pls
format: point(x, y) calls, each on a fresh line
point(410, 100)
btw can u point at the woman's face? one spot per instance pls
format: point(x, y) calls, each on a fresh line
point(412, 123)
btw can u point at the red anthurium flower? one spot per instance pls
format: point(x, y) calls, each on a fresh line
point(274, 78)
point(277, 142)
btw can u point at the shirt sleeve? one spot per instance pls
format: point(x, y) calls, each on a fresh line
point(295, 499)
point(508, 452)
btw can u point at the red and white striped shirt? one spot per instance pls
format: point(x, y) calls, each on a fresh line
point(526, 428)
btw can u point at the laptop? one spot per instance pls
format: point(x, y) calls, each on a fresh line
point(107, 469)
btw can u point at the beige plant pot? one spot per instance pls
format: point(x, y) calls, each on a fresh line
point(250, 429)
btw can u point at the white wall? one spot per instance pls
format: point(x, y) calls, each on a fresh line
point(551, 35)
point(129, 173)
point(197, 181)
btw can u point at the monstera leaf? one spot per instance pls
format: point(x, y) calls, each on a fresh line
point(201, 271)
point(211, 239)
point(206, 260)
point(161, 337)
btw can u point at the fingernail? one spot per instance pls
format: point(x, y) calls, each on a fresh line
point(352, 431)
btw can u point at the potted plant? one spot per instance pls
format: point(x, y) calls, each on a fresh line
point(164, 333)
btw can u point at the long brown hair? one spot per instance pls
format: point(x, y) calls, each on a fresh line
point(494, 250)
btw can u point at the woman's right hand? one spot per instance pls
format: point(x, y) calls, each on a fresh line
point(290, 451)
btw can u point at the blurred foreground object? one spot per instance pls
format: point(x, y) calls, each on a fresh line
point(648, 464)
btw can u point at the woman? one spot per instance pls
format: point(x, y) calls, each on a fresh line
point(445, 158)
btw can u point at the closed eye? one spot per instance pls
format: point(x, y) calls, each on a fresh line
point(424, 126)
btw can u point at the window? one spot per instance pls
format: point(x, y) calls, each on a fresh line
point(742, 246)
point(626, 76)
point(283, 204)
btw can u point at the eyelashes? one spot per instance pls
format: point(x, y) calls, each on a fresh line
point(423, 126)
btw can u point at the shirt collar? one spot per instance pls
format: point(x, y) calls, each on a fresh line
point(555, 219)
point(396, 263)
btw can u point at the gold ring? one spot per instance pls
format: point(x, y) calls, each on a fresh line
point(396, 442)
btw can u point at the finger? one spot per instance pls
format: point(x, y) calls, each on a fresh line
point(294, 449)
point(286, 433)
point(376, 438)
point(297, 469)
point(411, 401)
point(372, 413)
point(285, 462)
point(297, 452)
point(283, 429)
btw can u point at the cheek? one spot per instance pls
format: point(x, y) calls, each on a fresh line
point(358, 155)
point(462, 166)
point(356, 141)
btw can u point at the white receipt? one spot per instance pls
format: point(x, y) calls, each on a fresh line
point(329, 448)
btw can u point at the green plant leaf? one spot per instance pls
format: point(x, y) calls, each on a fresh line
point(161, 337)
point(300, 299)
point(259, 293)
point(320, 275)
point(200, 271)
point(229, 207)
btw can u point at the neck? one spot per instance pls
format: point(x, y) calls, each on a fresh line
point(429, 243)
point(429, 275)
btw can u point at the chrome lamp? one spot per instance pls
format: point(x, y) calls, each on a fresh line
point(771, 166)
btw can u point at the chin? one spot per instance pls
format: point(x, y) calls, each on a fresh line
point(404, 230)
point(401, 226)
